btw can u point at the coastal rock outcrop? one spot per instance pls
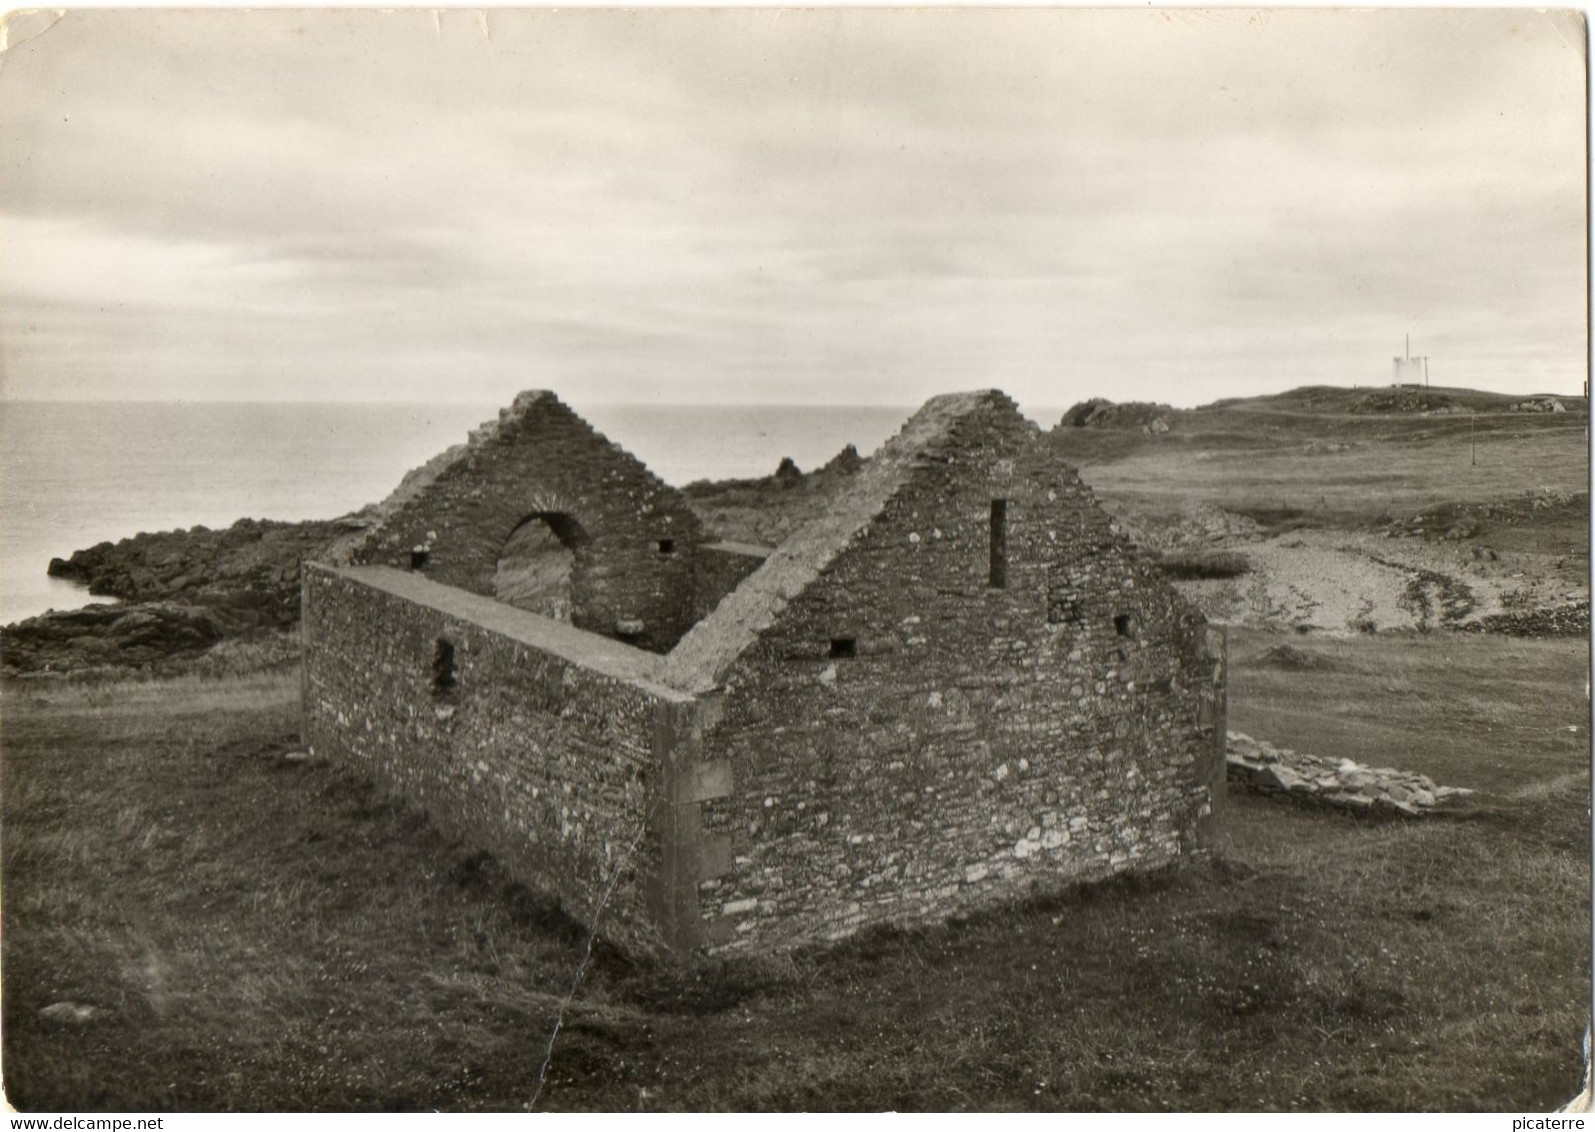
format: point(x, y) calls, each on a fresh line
point(765, 511)
point(250, 568)
point(111, 635)
point(1099, 412)
point(182, 592)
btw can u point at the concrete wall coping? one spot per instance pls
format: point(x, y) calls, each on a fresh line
point(615, 659)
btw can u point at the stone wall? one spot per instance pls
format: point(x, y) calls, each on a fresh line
point(908, 739)
point(543, 744)
point(634, 538)
point(720, 568)
point(958, 686)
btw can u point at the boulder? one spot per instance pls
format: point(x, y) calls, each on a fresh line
point(70, 1013)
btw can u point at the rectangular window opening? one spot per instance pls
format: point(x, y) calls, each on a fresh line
point(418, 558)
point(999, 543)
point(844, 647)
point(1124, 625)
point(667, 546)
point(444, 676)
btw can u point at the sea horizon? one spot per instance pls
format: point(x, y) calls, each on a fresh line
point(75, 473)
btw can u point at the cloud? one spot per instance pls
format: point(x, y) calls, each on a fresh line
point(784, 204)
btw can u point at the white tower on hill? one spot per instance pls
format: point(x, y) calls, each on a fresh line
point(1410, 370)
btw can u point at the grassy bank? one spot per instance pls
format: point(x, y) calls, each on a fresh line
point(1330, 470)
point(261, 932)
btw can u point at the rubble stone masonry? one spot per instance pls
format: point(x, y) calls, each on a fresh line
point(530, 739)
point(720, 568)
point(634, 538)
point(960, 686)
point(926, 730)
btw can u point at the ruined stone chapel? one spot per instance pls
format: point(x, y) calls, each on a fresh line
point(959, 686)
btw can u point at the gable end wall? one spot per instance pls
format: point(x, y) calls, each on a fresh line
point(542, 457)
point(982, 744)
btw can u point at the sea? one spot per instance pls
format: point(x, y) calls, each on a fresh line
point(73, 473)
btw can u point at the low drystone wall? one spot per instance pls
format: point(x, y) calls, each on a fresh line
point(1259, 765)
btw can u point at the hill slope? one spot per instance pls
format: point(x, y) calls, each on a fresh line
point(1358, 511)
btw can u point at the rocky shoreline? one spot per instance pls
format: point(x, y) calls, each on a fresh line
point(186, 595)
point(181, 594)
point(248, 571)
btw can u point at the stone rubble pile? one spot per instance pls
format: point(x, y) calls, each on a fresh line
point(1570, 620)
point(1259, 765)
point(1539, 405)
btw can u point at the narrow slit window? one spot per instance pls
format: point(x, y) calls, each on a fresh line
point(667, 546)
point(844, 647)
point(445, 678)
point(999, 543)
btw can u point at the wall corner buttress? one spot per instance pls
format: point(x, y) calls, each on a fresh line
point(688, 856)
point(1215, 716)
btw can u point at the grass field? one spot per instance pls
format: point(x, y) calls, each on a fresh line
point(1342, 469)
point(261, 933)
point(1339, 519)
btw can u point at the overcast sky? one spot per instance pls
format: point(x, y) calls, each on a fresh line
point(856, 206)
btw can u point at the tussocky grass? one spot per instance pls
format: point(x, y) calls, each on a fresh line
point(267, 933)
